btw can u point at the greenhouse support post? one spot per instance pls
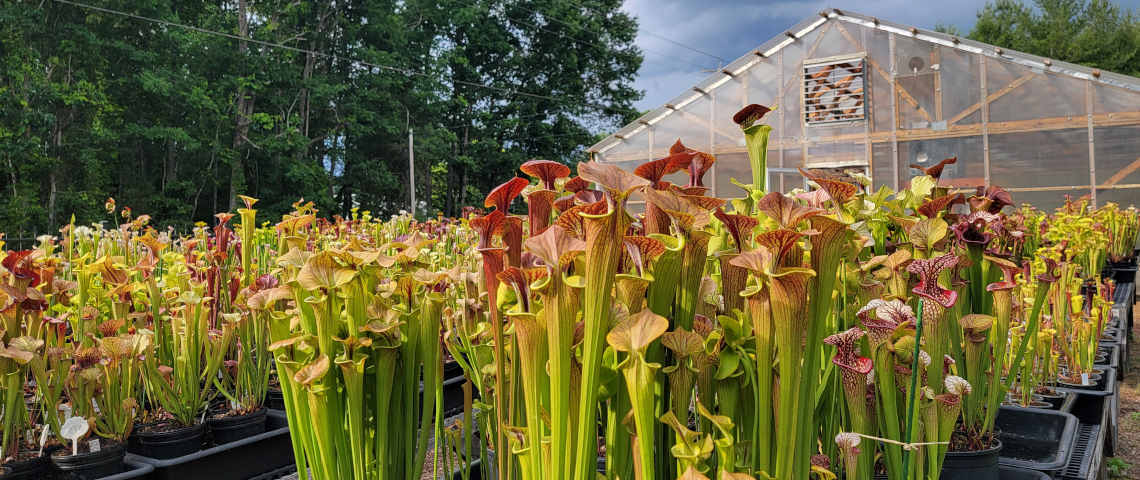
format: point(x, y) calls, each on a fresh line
point(1092, 144)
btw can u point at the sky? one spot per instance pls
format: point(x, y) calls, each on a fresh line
point(729, 29)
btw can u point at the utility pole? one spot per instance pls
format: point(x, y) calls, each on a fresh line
point(411, 171)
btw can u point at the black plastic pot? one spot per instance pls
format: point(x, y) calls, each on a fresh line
point(87, 466)
point(1111, 357)
point(1035, 439)
point(452, 369)
point(1056, 400)
point(475, 468)
point(168, 444)
point(1094, 380)
point(1124, 273)
point(1105, 385)
point(245, 458)
point(275, 399)
point(1034, 405)
point(979, 465)
point(453, 380)
point(31, 469)
point(453, 395)
point(231, 429)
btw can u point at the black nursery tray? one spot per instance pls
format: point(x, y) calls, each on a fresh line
point(1087, 459)
point(1035, 439)
point(1125, 295)
point(133, 469)
point(1097, 412)
point(1100, 406)
point(1014, 473)
point(245, 458)
point(1005, 472)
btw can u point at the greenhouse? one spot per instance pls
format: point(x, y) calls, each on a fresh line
point(716, 295)
point(863, 94)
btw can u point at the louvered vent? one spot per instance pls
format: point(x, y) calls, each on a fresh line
point(834, 91)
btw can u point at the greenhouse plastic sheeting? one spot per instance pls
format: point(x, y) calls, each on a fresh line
point(1012, 119)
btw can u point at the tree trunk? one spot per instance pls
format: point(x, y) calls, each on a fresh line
point(426, 179)
point(57, 147)
point(463, 151)
point(452, 178)
point(12, 174)
point(170, 172)
point(51, 200)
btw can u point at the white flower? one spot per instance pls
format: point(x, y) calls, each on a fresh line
point(847, 440)
point(957, 385)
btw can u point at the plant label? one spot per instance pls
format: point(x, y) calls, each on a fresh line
point(93, 445)
point(44, 437)
point(1085, 379)
point(73, 429)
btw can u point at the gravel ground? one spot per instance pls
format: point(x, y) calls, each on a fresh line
point(1128, 442)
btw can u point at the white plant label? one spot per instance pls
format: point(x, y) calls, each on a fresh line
point(93, 445)
point(1085, 379)
point(44, 438)
point(73, 429)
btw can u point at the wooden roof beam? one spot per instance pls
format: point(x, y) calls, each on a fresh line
point(1017, 82)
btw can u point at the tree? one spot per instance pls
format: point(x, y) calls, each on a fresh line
point(175, 122)
point(1094, 33)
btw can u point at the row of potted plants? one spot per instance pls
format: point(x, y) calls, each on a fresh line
point(842, 331)
point(710, 314)
point(130, 339)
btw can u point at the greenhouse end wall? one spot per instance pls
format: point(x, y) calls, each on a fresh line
point(1040, 128)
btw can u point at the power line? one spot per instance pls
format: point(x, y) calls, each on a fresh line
point(583, 42)
point(508, 117)
point(647, 32)
point(404, 71)
point(682, 45)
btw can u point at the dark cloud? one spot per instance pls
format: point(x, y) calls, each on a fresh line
point(729, 29)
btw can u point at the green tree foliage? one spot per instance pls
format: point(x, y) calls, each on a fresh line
point(175, 122)
point(1095, 33)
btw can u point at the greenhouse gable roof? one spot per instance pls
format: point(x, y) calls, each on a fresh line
point(773, 46)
